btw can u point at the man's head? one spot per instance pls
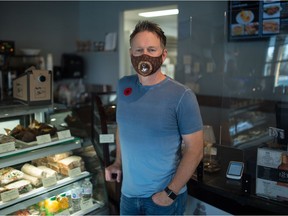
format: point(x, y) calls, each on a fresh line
point(150, 27)
point(147, 51)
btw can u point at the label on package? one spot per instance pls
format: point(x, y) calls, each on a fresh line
point(9, 195)
point(7, 147)
point(74, 172)
point(49, 181)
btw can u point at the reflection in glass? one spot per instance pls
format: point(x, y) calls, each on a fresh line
point(270, 53)
point(284, 68)
point(282, 81)
point(210, 164)
point(285, 52)
point(209, 137)
point(267, 69)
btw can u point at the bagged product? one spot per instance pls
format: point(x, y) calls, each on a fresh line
point(49, 172)
point(9, 174)
point(33, 171)
point(36, 182)
point(70, 162)
point(23, 186)
point(58, 157)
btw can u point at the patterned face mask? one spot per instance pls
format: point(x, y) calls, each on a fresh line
point(146, 65)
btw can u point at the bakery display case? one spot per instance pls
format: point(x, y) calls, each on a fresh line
point(246, 123)
point(104, 125)
point(50, 175)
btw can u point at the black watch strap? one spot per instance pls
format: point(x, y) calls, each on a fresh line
point(170, 193)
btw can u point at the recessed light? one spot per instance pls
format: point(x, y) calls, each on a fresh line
point(159, 13)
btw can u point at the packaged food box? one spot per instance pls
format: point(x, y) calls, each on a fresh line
point(34, 87)
point(272, 173)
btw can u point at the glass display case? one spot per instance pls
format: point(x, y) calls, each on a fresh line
point(104, 125)
point(104, 138)
point(39, 177)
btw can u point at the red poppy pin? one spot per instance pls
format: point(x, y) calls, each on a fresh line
point(127, 91)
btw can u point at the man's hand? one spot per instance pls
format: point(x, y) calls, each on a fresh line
point(113, 172)
point(162, 199)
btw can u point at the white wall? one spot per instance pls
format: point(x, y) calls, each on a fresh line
point(52, 27)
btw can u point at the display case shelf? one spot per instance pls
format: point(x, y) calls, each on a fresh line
point(38, 194)
point(38, 151)
point(19, 109)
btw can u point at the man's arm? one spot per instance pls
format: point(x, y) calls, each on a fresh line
point(192, 155)
point(116, 167)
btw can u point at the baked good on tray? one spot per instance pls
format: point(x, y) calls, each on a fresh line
point(9, 174)
point(23, 186)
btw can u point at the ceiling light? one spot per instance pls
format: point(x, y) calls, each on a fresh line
point(159, 13)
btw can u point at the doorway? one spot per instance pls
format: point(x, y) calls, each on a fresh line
point(169, 24)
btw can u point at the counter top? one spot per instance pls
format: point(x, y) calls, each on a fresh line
point(233, 196)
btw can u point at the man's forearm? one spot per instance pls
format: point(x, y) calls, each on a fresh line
point(118, 159)
point(192, 155)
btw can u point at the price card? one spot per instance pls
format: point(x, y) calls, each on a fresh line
point(9, 195)
point(74, 172)
point(43, 138)
point(106, 138)
point(64, 213)
point(85, 204)
point(49, 181)
point(64, 134)
point(7, 147)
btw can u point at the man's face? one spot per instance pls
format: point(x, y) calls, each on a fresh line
point(147, 54)
point(146, 43)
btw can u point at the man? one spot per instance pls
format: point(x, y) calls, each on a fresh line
point(155, 116)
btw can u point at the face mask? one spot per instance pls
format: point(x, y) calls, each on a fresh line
point(146, 65)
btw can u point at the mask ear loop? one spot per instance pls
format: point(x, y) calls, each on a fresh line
point(165, 51)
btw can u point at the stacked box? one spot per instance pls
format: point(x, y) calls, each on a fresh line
point(34, 87)
point(272, 173)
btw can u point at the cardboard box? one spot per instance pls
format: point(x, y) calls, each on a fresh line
point(34, 87)
point(272, 173)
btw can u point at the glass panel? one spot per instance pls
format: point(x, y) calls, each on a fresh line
point(236, 81)
point(240, 79)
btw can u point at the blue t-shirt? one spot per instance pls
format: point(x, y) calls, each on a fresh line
point(151, 120)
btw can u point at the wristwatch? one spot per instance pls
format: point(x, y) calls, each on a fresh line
point(170, 193)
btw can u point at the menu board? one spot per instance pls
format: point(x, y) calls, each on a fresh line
point(257, 19)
